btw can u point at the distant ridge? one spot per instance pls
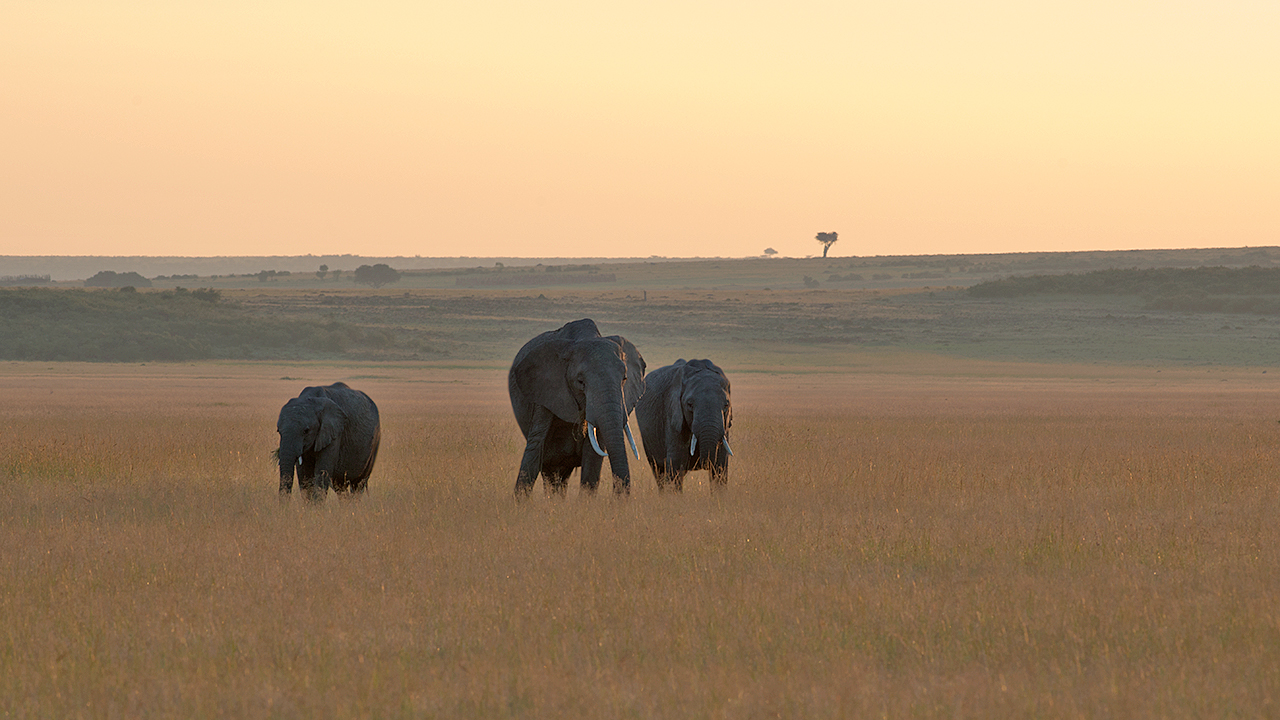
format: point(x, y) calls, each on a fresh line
point(79, 267)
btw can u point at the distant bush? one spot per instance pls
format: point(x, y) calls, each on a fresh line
point(173, 325)
point(881, 276)
point(207, 294)
point(849, 277)
point(110, 278)
point(376, 275)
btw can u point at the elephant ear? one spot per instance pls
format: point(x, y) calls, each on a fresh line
point(674, 400)
point(634, 388)
point(332, 420)
point(540, 376)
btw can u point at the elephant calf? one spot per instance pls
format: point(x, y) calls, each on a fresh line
point(330, 434)
point(685, 416)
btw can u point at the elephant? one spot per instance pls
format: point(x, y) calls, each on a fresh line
point(684, 417)
point(331, 435)
point(572, 391)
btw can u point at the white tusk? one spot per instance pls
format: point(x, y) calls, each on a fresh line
point(693, 444)
point(591, 433)
point(727, 448)
point(631, 440)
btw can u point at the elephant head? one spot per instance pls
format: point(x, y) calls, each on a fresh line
point(704, 408)
point(307, 426)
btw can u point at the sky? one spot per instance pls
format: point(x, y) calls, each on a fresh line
point(608, 129)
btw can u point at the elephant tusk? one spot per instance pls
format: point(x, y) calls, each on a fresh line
point(693, 444)
point(595, 444)
point(631, 440)
point(727, 448)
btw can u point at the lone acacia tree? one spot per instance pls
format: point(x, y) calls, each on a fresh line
point(827, 240)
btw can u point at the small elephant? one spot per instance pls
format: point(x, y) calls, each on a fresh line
point(331, 435)
point(685, 416)
point(571, 392)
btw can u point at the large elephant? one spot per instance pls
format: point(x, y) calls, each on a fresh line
point(331, 435)
point(571, 391)
point(684, 417)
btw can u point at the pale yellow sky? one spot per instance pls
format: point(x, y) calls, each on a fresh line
point(567, 127)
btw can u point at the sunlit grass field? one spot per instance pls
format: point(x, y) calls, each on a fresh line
point(917, 538)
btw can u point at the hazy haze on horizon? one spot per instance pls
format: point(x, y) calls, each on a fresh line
point(570, 128)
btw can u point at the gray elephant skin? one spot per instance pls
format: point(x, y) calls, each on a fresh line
point(330, 435)
point(684, 417)
point(572, 391)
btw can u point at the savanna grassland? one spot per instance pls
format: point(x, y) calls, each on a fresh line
point(903, 535)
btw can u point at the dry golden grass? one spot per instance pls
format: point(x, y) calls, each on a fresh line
point(918, 542)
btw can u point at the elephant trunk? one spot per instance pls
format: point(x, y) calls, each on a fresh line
point(708, 446)
point(610, 435)
point(288, 462)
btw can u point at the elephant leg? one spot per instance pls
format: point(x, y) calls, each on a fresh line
point(306, 486)
point(320, 488)
point(535, 442)
point(674, 471)
point(306, 475)
point(556, 483)
point(327, 474)
point(360, 486)
point(592, 464)
point(316, 493)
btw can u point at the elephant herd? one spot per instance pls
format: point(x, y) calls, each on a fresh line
point(572, 391)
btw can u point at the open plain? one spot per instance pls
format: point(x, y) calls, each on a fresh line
point(907, 536)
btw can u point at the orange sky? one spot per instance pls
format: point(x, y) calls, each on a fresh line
point(564, 128)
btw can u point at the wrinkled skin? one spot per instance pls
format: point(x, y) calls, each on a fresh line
point(330, 435)
point(560, 382)
point(683, 402)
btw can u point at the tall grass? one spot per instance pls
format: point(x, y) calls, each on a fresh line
point(924, 547)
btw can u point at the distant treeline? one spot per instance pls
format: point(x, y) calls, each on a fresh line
point(1204, 289)
point(25, 280)
point(127, 325)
